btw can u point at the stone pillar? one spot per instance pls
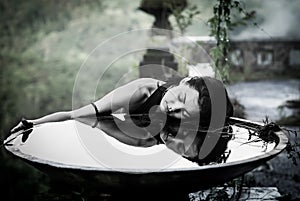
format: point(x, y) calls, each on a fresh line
point(161, 10)
point(158, 62)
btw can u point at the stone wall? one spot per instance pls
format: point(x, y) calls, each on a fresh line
point(277, 55)
point(253, 55)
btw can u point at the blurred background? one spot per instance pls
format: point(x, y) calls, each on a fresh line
point(45, 43)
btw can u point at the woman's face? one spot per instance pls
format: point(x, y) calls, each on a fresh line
point(180, 101)
point(183, 144)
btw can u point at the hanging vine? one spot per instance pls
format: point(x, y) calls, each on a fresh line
point(223, 21)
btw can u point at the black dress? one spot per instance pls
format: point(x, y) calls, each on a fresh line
point(142, 117)
point(156, 97)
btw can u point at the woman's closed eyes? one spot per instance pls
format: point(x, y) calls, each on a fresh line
point(182, 97)
point(180, 102)
point(181, 111)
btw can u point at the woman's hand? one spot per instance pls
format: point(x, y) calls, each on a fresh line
point(23, 125)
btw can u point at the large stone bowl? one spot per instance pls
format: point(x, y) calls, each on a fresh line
point(59, 151)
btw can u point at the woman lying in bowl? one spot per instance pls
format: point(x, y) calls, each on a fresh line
point(198, 104)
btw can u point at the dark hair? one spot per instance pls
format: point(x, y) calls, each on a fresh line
point(204, 101)
point(217, 153)
point(197, 128)
point(223, 134)
point(175, 127)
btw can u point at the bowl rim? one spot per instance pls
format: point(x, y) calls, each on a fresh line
point(279, 147)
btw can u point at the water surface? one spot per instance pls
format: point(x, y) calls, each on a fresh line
point(61, 143)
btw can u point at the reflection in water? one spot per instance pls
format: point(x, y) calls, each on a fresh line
point(186, 138)
point(75, 143)
point(246, 144)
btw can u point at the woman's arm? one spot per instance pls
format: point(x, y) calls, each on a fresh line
point(26, 124)
point(129, 95)
point(123, 132)
point(54, 117)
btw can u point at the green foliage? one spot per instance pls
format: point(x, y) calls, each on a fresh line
point(30, 85)
point(224, 19)
point(21, 20)
point(228, 191)
point(293, 146)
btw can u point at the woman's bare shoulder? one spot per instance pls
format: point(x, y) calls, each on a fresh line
point(147, 82)
point(143, 87)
